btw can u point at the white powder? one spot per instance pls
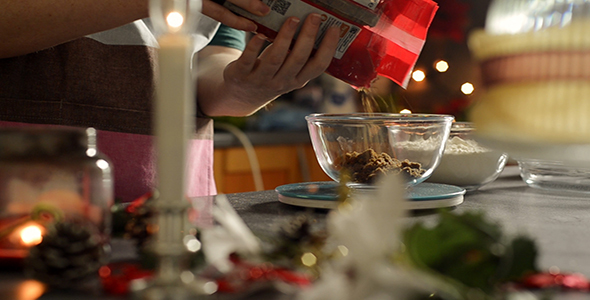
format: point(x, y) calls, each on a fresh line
point(467, 164)
point(457, 145)
point(429, 144)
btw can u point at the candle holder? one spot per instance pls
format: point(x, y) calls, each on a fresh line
point(50, 176)
point(174, 21)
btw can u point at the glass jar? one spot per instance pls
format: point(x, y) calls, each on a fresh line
point(51, 176)
point(534, 58)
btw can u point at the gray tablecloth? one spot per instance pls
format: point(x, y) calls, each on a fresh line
point(558, 221)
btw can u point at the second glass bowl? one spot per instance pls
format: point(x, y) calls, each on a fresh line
point(465, 162)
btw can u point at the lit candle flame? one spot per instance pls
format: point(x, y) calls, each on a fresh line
point(31, 235)
point(174, 19)
point(29, 289)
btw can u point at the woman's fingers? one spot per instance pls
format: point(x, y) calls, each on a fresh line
point(322, 57)
point(273, 57)
point(249, 58)
point(302, 48)
point(225, 16)
point(284, 65)
point(256, 7)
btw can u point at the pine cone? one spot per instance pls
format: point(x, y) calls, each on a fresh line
point(295, 238)
point(139, 227)
point(298, 229)
point(69, 254)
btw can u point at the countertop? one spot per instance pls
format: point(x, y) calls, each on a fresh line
point(558, 221)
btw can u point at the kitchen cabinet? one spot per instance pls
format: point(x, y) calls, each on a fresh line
point(279, 164)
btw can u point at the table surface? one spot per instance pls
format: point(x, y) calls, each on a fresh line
point(559, 222)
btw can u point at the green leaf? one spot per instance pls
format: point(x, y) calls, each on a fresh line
point(469, 249)
point(523, 258)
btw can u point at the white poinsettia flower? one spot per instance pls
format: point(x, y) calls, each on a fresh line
point(231, 236)
point(370, 229)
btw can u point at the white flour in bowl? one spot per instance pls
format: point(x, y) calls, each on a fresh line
point(467, 164)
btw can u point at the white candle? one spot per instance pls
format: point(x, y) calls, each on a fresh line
point(173, 125)
point(174, 113)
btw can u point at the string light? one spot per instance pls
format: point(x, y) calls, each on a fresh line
point(343, 250)
point(441, 66)
point(405, 111)
point(191, 243)
point(309, 259)
point(418, 75)
point(467, 88)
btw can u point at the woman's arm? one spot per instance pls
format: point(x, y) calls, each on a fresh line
point(31, 25)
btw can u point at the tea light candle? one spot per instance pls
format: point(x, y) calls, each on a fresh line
point(17, 236)
point(50, 175)
point(29, 234)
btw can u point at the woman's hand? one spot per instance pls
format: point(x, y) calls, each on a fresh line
point(256, 77)
point(217, 12)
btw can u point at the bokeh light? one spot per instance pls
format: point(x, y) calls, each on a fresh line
point(175, 19)
point(418, 75)
point(467, 88)
point(441, 66)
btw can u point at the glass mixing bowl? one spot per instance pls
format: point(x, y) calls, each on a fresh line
point(465, 162)
point(555, 175)
point(365, 146)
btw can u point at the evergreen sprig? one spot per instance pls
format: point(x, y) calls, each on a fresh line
point(470, 251)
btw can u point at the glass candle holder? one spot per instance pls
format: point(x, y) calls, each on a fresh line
point(533, 58)
point(50, 176)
